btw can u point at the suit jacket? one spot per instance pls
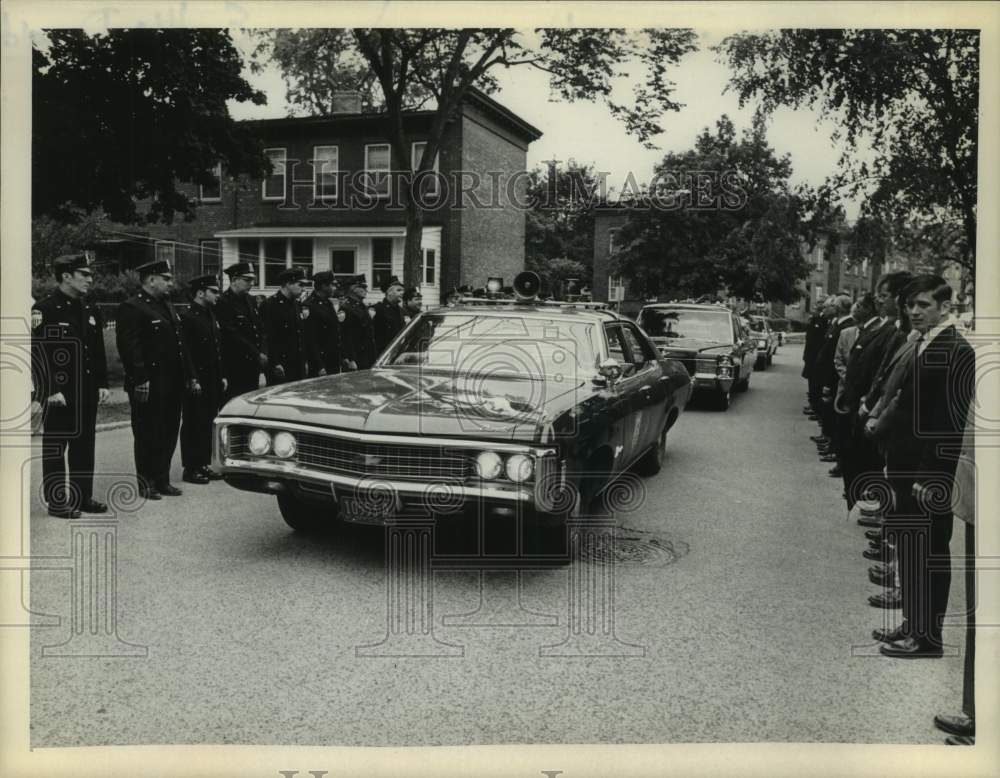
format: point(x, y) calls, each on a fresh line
point(67, 345)
point(242, 334)
point(204, 343)
point(863, 361)
point(322, 332)
point(826, 371)
point(387, 322)
point(151, 344)
point(815, 330)
point(358, 332)
point(283, 335)
point(895, 340)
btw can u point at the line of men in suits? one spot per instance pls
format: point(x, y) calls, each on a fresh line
point(891, 386)
point(180, 368)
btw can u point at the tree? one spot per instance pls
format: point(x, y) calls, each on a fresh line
point(560, 222)
point(911, 95)
point(414, 67)
point(126, 115)
point(739, 228)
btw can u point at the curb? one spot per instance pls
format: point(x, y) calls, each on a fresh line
point(112, 425)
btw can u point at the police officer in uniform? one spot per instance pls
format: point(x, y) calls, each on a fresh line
point(388, 319)
point(283, 318)
point(413, 303)
point(204, 344)
point(67, 340)
point(322, 327)
point(358, 333)
point(243, 354)
point(158, 369)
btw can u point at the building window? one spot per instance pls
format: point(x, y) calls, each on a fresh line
point(275, 259)
point(377, 159)
point(864, 267)
point(248, 250)
point(818, 290)
point(212, 193)
point(273, 187)
point(381, 261)
point(302, 255)
point(429, 258)
point(819, 257)
point(326, 160)
point(343, 262)
point(211, 257)
point(430, 187)
point(616, 292)
point(612, 241)
point(165, 251)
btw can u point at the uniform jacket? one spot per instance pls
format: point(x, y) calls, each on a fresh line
point(863, 361)
point(63, 324)
point(242, 334)
point(322, 333)
point(826, 372)
point(204, 343)
point(151, 344)
point(283, 335)
point(358, 334)
point(388, 323)
point(815, 330)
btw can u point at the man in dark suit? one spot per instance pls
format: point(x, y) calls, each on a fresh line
point(204, 344)
point(388, 319)
point(825, 375)
point(929, 423)
point(157, 370)
point(67, 343)
point(283, 318)
point(358, 339)
point(243, 354)
point(322, 327)
point(815, 330)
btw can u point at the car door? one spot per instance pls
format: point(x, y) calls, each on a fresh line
point(623, 396)
point(649, 406)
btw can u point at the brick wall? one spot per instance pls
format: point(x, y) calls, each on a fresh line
point(604, 222)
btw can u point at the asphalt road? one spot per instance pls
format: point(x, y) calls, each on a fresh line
point(735, 610)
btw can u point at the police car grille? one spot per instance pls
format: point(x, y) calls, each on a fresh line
point(348, 457)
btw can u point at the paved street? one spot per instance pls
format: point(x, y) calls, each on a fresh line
point(740, 614)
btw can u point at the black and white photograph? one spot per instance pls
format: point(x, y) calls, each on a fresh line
point(388, 391)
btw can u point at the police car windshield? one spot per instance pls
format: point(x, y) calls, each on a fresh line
point(505, 344)
point(693, 323)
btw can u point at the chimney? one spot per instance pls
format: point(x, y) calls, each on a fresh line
point(346, 102)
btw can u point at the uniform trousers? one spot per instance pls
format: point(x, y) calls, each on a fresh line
point(155, 426)
point(69, 438)
point(196, 432)
point(242, 380)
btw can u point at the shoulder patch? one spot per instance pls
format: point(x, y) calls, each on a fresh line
point(36, 318)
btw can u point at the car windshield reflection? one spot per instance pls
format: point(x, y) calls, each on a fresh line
point(681, 323)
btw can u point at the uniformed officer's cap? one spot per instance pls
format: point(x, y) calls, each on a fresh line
point(358, 280)
point(394, 281)
point(290, 275)
point(322, 278)
point(203, 282)
point(410, 293)
point(69, 262)
point(240, 269)
point(158, 267)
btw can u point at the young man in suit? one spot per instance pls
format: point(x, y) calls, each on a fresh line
point(158, 369)
point(825, 376)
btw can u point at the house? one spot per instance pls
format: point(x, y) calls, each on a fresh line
point(332, 203)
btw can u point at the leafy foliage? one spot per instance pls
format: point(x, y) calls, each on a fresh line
point(127, 114)
point(51, 237)
point(560, 223)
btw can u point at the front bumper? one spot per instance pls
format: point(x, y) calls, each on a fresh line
point(711, 381)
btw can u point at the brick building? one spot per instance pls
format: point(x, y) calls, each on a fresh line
point(330, 204)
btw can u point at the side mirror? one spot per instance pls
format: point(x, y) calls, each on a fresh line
point(608, 372)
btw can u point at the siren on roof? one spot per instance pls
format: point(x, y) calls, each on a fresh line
point(527, 285)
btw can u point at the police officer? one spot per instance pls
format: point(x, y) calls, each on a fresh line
point(388, 318)
point(67, 340)
point(157, 368)
point(322, 327)
point(358, 333)
point(204, 343)
point(283, 318)
point(413, 303)
point(243, 354)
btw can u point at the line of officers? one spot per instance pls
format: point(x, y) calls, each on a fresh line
point(185, 366)
point(891, 382)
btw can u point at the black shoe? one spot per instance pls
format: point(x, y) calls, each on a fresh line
point(911, 648)
point(870, 521)
point(812, 417)
point(818, 438)
point(887, 599)
point(64, 513)
point(149, 493)
point(959, 740)
point(94, 506)
point(835, 471)
point(882, 579)
point(210, 474)
point(874, 534)
point(960, 725)
point(193, 477)
point(890, 635)
point(828, 458)
point(169, 490)
point(879, 555)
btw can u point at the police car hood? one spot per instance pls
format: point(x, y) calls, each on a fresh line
point(413, 402)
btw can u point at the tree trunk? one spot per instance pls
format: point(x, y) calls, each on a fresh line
point(412, 255)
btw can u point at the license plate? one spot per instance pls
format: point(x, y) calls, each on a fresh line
point(367, 512)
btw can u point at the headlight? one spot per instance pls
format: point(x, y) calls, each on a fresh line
point(489, 465)
point(260, 442)
point(284, 445)
point(726, 361)
point(520, 467)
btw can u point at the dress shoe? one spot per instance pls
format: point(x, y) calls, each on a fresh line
point(812, 417)
point(911, 648)
point(870, 521)
point(210, 474)
point(890, 635)
point(94, 506)
point(819, 438)
point(194, 477)
point(882, 579)
point(888, 599)
point(824, 449)
point(835, 471)
point(65, 513)
point(880, 555)
point(169, 490)
point(960, 725)
point(828, 458)
point(959, 740)
point(149, 493)
point(874, 534)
